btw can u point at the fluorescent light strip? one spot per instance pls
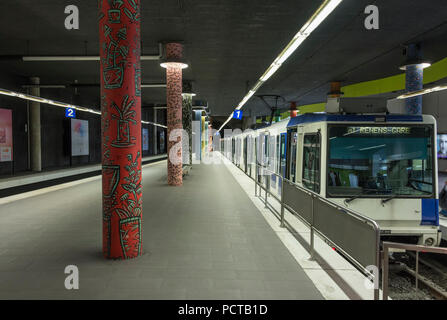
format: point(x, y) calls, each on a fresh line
point(75, 58)
point(60, 104)
point(422, 92)
point(154, 124)
point(45, 101)
point(317, 18)
point(154, 85)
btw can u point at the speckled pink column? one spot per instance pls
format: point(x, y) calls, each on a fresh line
point(174, 52)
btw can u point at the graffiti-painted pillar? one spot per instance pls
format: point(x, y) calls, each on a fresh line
point(119, 39)
point(197, 138)
point(174, 66)
point(414, 77)
point(187, 126)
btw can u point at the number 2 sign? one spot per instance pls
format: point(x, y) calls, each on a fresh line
point(70, 113)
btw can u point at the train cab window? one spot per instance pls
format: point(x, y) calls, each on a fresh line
point(311, 162)
point(380, 161)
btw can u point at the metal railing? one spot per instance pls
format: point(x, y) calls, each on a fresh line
point(323, 216)
point(409, 247)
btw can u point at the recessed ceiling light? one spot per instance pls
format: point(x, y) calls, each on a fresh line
point(180, 65)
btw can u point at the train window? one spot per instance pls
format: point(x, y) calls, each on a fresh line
point(278, 155)
point(245, 154)
point(291, 159)
point(380, 161)
point(262, 150)
point(282, 154)
point(271, 153)
point(311, 162)
point(266, 150)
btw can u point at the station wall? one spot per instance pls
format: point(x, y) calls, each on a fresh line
point(56, 130)
point(19, 119)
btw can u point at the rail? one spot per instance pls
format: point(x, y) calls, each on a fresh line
point(407, 247)
point(325, 220)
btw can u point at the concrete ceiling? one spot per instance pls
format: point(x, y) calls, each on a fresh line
point(229, 44)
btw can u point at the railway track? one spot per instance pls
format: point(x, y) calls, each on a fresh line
point(427, 282)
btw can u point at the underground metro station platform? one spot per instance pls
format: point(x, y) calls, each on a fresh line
point(223, 156)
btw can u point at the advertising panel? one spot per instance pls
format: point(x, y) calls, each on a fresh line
point(5, 135)
point(145, 139)
point(79, 137)
point(442, 146)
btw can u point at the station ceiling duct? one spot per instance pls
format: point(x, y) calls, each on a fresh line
point(356, 105)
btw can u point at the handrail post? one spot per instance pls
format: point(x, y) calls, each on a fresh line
point(378, 265)
point(256, 181)
point(282, 204)
point(385, 272)
point(312, 244)
point(417, 270)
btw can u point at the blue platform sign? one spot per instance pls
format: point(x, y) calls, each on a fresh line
point(237, 114)
point(70, 113)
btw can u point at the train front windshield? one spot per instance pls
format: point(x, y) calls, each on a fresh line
point(380, 161)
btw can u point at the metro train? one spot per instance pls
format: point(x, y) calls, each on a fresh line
point(381, 166)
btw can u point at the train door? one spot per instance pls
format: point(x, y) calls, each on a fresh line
point(292, 140)
point(236, 152)
point(250, 154)
point(265, 150)
point(278, 153)
point(245, 154)
point(282, 157)
point(232, 149)
point(266, 162)
point(239, 152)
point(311, 161)
point(274, 148)
point(258, 156)
point(283, 154)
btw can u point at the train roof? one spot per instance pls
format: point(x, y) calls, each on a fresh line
point(324, 117)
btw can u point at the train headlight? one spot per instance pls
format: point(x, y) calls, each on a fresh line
point(429, 242)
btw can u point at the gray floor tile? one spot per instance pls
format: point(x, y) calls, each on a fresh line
point(198, 243)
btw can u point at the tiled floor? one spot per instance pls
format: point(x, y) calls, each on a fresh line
point(205, 240)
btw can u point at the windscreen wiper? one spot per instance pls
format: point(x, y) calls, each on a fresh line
point(388, 199)
point(347, 201)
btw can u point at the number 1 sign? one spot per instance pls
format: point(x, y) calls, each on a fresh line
point(237, 114)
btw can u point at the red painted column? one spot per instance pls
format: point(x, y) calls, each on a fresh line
point(119, 39)
point(335, 89)
point(174, 66)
